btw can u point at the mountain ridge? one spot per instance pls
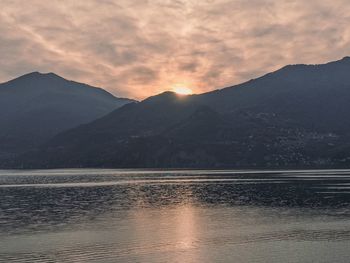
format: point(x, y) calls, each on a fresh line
point(36, 106)
point(293, 117)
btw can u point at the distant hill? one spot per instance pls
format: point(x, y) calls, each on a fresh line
point(37, 106)
point(294, 117)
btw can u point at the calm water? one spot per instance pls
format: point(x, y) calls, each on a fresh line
point(174, 216)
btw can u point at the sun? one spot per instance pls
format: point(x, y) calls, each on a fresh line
point(181, 90)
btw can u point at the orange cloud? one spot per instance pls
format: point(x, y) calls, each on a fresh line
point(138, 48)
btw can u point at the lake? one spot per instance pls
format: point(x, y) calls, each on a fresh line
point(95, 215)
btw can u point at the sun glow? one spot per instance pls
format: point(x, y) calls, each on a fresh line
point(181, 90)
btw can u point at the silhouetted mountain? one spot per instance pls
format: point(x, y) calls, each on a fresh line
point(310, 95)
point(294, 117)
point(36, 106)
point(203, 125)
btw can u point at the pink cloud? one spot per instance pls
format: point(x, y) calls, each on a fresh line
point(140, 48)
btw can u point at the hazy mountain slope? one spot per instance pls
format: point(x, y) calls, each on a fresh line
point(294, 117)
point(313, 96)
point(36, 106)
point(150, 117)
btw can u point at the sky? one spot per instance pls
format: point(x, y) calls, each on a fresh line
point(138, 48)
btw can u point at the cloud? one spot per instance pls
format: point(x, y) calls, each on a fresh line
point(137, 48)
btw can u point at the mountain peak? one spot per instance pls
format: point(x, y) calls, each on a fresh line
point(36, 75)
point(166, 95)
point(345, 59)
point(40, 74)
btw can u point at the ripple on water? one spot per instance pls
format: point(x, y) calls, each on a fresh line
point(142, 216)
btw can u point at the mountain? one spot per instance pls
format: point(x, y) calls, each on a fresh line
point(310, 95)
point(294, 117)
point(37, 106)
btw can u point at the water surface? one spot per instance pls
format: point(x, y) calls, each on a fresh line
point(174, 216)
